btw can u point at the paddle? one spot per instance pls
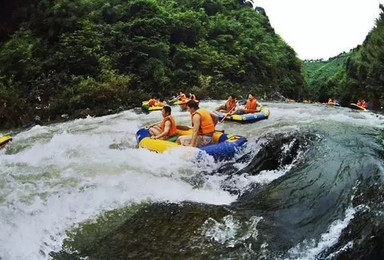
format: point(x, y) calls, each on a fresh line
point(226, 114)
point(173, 100)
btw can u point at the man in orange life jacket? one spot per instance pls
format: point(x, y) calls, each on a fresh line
point(182, 96)
point(203, 122)
point(252, 106)
point(166, 128)
point(229, 106)
point(152, 101)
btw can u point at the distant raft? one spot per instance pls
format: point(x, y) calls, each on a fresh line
point(147, 108)
point(246, 118)
point(332, 104)
point(4, 140)
point(356, 106)
point(183, 103)
point(223, 146)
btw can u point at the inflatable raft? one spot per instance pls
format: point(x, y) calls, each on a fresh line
point(146, 108)
point(332, 104)
point(183, 104)
point(223, 146)
point(356, 106)
point(179, 102)
point(246, 118)
point(4, 140)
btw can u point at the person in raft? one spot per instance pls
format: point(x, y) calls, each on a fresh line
point(152, 101)
point(203, 122)
point(252, 106)
point(229, 106)
point(362, 103)
point(167, 127)
point(160, 103)
point(182, 96)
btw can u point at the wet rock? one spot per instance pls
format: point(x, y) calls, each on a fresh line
point(363, 238)
point(278, 151)
point(158, 231)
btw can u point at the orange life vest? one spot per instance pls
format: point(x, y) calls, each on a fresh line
point(173, 129)
point(207, 125)
point(159, 104)
point(229, 106)
point(151, 102)
point(251, 104)
point(182, 97)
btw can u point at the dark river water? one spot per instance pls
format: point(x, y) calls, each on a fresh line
point(308, 185)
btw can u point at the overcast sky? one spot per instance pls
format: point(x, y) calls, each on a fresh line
point(321, 28)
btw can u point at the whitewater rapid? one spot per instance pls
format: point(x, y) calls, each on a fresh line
point(56, 176)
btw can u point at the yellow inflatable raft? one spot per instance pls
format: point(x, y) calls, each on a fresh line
point(4, 140)
point(146, 108)
point(223, 145)
point(356, 106)
point(245, 118)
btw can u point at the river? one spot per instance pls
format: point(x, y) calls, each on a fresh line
point(308, 185)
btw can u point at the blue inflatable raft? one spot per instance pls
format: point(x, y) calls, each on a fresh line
point(223, 146)
point(246, 118)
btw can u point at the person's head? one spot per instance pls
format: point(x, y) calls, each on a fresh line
point(231, 98)
point(181, 93)
point(161, 99)
point(192, 106)
point(251, 96)
point(166, 111)
point(152, 96)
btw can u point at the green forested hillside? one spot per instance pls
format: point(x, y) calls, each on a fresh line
point(80, 57)
point(325, 79)
point(365, 69)
point(358, 74)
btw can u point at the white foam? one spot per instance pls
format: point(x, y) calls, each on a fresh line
point(309, 249)
point(70, 172)
point(230, 230)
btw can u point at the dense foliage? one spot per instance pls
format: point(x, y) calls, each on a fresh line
point(358, 74)
point(325, 79)
point(365, 69)
point(81, 57)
